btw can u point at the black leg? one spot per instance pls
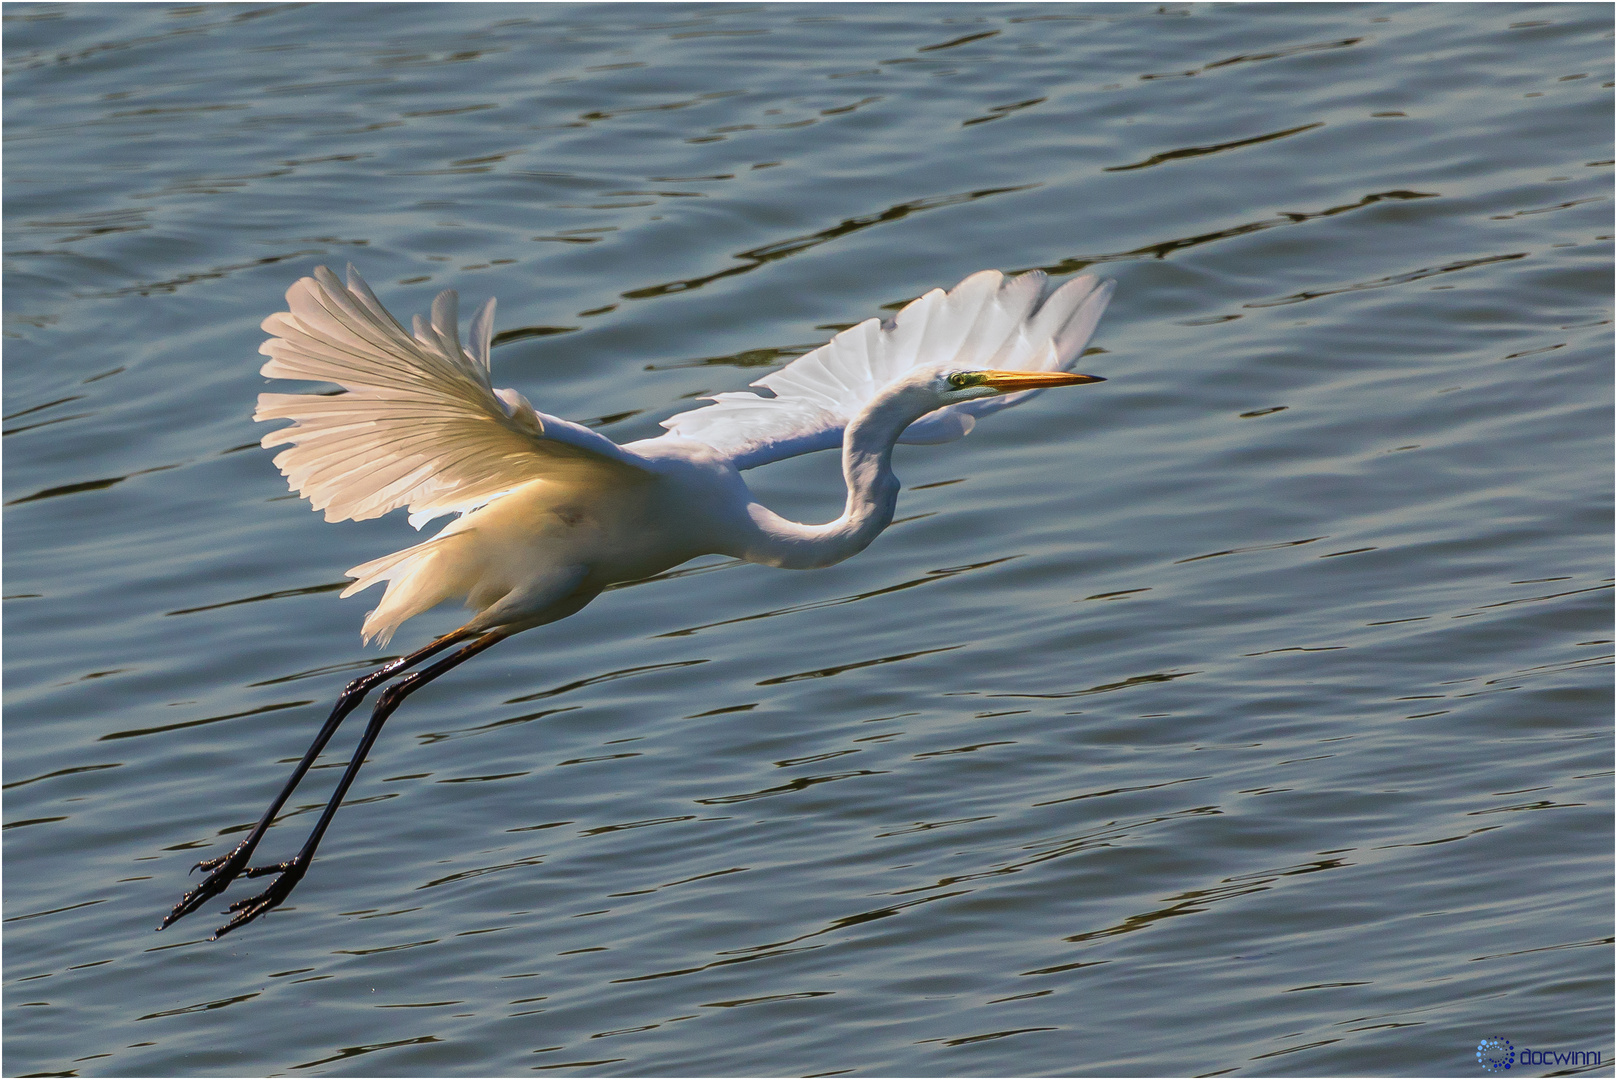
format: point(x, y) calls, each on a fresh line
point(292, 871)
point(227, 867)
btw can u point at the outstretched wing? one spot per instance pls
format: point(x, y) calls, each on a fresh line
point(418, 423)
point(986, 321)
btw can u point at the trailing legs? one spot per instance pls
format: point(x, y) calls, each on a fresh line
point(292, 870)
point(226, 868)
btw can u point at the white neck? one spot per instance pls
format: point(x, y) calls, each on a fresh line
point(867, 451)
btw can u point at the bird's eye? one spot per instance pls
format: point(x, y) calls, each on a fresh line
point(960, 380)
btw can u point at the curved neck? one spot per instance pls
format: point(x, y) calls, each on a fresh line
point(867, 451)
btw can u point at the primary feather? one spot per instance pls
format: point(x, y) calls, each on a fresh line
point(986, 321)
point(418, 423)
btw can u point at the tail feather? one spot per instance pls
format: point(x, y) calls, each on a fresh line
point(417, 579)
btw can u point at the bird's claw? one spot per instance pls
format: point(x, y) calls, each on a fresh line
point(222, 871)
point(215, 863)
point(251, 908)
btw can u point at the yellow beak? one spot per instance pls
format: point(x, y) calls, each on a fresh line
point(1009, 382)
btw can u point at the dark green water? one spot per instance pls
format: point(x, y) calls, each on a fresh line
point(1247, 714)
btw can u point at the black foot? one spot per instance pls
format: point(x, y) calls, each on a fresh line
point(247, 910)
point(224, 869)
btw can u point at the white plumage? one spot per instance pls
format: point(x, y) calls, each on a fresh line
point(420, 425)
point(981, 323)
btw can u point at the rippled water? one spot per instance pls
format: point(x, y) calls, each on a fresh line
point(1250, 713)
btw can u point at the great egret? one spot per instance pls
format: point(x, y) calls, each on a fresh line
point(551, 512)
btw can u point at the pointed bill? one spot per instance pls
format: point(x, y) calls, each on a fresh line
point(1010, 382)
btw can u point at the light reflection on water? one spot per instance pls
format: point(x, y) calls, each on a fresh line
point(1266, 689)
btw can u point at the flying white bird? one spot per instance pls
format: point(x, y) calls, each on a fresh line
point(551, 512)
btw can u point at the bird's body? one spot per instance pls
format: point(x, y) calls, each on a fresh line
point(551, 513)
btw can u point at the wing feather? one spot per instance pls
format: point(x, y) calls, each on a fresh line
point(418, 423)
point(986, 321)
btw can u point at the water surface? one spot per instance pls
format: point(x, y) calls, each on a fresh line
point(1249, 713)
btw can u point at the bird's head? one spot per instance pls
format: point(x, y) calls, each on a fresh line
point(954, 385)
point(925, 390)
